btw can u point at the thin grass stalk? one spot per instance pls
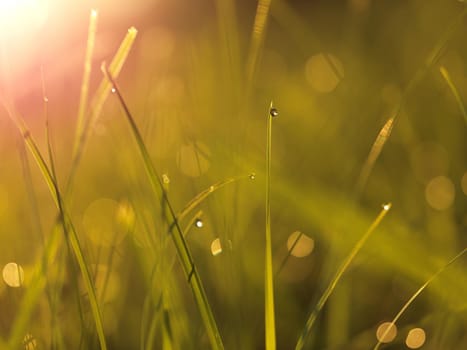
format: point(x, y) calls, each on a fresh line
point(97, 104)
point(68, 227)
point(302, 341)
point(83, 100)
point(33, 292)
point(416, 294)
point(444, 72)
point(189, 267)
point(269, 315)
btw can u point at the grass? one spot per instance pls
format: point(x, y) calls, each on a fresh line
point(117, 256)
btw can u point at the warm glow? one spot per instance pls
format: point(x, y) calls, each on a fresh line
point(13, 275)
point(416, 338)
point(300, 245)
point(386, 332)
point(21, 14)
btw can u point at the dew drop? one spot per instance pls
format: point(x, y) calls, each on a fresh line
point(387, 206)
point(252, 176)
point(113, 90)
point(199, 223)
point(165, 179)
point(273, 112)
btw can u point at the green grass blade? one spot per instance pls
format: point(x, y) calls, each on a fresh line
point(33, 292)
point(332, 285)
point(67, 224)
point(83, 101)
point(269, 314)
point(98, 102)
point(454, 91)
point(416, 294)
point(176, 233)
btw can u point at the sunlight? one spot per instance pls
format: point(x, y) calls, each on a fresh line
point(21, 14)
point(386, 332)
point(13, 275)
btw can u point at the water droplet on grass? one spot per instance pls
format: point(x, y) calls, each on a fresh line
point(387, 206)
point(252, 176)
point(199, 223)
point(113, 90)
point(273, 112)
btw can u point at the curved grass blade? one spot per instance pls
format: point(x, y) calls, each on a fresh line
point(83, 101)
point(332, 285)
point(269, 314)
point(454, 91)
point(67, 224)
point(189, 267)
point(416, 294)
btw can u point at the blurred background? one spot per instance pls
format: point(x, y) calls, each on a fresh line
point(200, 91)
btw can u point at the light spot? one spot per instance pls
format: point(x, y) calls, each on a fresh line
point(106, 221)
point(440, 193)
point(216, 247)
point(386, 332)
point(463, 183)
point(13, 275)
point(113, 90)
point(165, 179)
point(324, 72)
point(193, 159)
point(252, 176)
point(199, 223)
point(416, 338)
point(300, 245)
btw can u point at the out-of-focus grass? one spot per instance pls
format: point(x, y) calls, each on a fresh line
point(197, 82)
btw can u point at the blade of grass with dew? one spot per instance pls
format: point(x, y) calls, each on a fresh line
point(176, 233)
point(83, 100)
point(454, 91)
point(415, 295)
point(257, 39)
point(68, 227)
point(98, 102)
point(269, 314)
point(332, 285)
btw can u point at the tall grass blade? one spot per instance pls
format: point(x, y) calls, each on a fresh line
point(302, 341)
point(68, 227)
point(189, 267)
point(35, 289)
point(98, 102)
point(83, 101)
point(415, 295)
point(269, 314)
point(454, 91)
